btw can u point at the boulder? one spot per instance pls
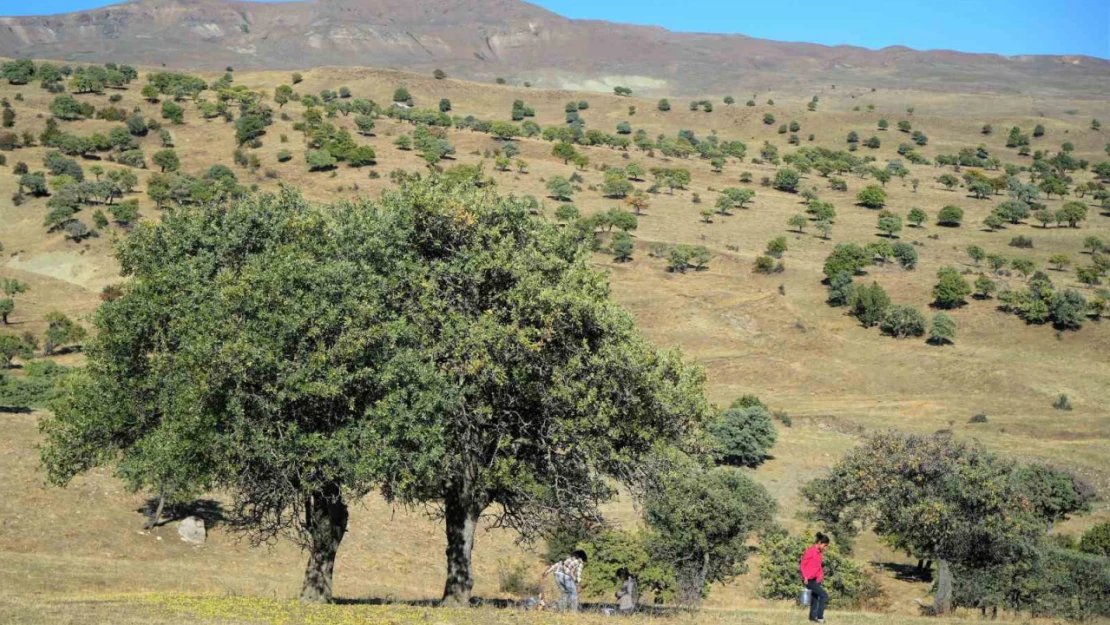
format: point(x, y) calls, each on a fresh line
point(192, 530)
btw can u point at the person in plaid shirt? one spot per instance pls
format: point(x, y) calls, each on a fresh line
point(568, 577)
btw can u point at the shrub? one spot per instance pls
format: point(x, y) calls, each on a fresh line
point(950, 216)
point(1062, 402)
point(951, 288)
point(764, 264)
point(742, 436)
point(905, 254)
point(979, 418)
point(869, 304)
point(319, 160)
point(872, 196)
point(1022, 242)
point(284, 156)
point(904, 321)
point(786, 179)
point(849, 584)
point(1096, 541)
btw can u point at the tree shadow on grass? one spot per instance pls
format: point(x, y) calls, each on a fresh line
point(906, 572)
point(527, 604)
point(210, 510)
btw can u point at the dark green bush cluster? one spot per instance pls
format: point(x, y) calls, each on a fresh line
point(36, 389)
point(1051, 582)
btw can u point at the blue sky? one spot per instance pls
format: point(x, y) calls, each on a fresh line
point(1004, 27)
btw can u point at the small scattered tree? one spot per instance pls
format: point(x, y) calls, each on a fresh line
point(951, 289)
point(903, 321)
point(560, 188)
point(869, 304)
point(872, 197)
point(167, 159)
point(950, 216)
point(742, 436)
point(798, 223)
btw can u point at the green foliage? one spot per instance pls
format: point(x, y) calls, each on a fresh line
point(786, 179)
point(12, 347)
point(612, 551)
point(869, 304)
point(1049, 582)
point(742, 436)
point(848, 583)
point(319, 160)
point(622, 247)
point(37, 388)
point(249, 127)
point(699, 521)
point(68, 108)
point(847, 258)
point(401, 94)
point(951, 288)
point(1096, 541)
point(871, 196)
point(560, 188)
point(903, 321)
point(166, 159)
point(905, 254)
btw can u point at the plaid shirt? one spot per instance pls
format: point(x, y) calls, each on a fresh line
point(571, 567)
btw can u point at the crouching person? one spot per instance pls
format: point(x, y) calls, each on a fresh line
point(568, 577)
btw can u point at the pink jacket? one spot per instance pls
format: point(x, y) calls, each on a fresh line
point(811, 565)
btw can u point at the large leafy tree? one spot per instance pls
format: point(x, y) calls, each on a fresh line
point(252, 350)
point(544, 389)
point(942, 499)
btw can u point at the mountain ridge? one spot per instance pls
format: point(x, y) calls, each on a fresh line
point(485, 39)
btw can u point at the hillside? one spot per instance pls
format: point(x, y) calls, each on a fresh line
point(485, 39)
point(772, 335)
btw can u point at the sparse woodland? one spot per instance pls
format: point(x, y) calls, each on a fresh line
point(324, 297)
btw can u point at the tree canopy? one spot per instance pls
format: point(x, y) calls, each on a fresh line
point(440, 344)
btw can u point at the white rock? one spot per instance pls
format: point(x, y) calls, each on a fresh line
point(192, 530)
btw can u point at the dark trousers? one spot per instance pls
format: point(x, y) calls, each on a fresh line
point(817, 601)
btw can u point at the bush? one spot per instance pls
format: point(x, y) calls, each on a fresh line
point(1096, 541)
point(1049, 581)
point(849, 585)
point(786, 179)
point(905, 254)
point(872, 196)
point(1022, 242)
point(284, 156)
point(319, 160)
point(943, 329)
point(612, 551)
point(1062, 402)
point(742, 436)
point(950, 216)
point(904, 321)
point(699, 522)
point(37, 388)
point(979, 418)
point(764, 264)
point(870, 304)
point(951, 288)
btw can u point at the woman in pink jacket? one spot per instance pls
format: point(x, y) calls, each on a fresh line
point(812, 576)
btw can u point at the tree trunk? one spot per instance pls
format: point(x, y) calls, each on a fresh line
point(461, 519)
point(325, 523)
point(157, 514)
point(942, 603)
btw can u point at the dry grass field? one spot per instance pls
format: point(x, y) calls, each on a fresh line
point(79, 555)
